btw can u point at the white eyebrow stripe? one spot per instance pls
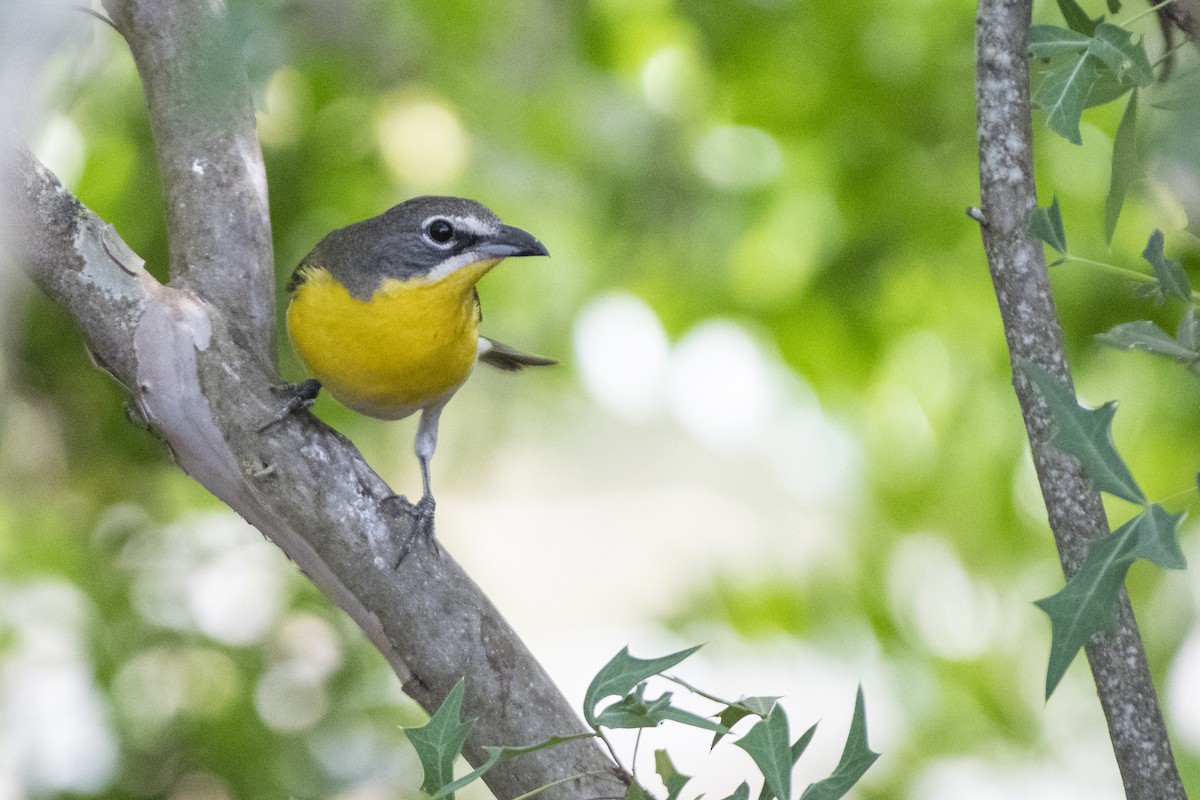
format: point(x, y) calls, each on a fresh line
point(477, 226)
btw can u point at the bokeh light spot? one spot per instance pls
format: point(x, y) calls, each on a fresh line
point(722, 388)
point(673, 81)
point(422, 141)
point(621, 350)
point(778, 256)
point(738, 157)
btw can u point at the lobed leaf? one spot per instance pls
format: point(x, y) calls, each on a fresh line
point(734, 713)
point(1047, 225)
point(1086, 434)
point(1077, 18)
point(1063, 94)
point(1087, 603)
point(1171, 275)
point(672, 778)
point(498, 754)
point(857, 758)
point(1125, 168)
point(439, 741)
point(1051, 41)
point(767, 744)
point(634, 711)
point(620, 675)
point(1146, 335)
point(1114, 47)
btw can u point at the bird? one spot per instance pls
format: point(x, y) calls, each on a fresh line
point(385, 314)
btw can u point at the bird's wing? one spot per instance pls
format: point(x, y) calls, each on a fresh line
point(509, 359)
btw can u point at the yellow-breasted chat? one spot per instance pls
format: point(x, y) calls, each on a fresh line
point(385, 312)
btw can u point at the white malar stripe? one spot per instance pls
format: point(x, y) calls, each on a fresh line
point(455, 263)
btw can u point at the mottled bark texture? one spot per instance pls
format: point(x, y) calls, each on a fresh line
point(1018, 269)
point(195, 355)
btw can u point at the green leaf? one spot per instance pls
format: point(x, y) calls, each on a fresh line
point(857, 758)
point(1155, 537)
point(673, 714)
point(1063, 94)
point(1087, 603)
point(1114, 6)
point(1047, 225)
point(1051, 41)
point(499, 754)
point(439, 741)
point(1171, 276)
point(1085, 433)
point(1125, 168)
point(1145, 335)
point(635, 711)
point(622, 673)
point(1108, 87)
point(1188, 333)
point(740, 793)
point(672, 778)
point(636, 792)
point(1113, 46)
point(767, 744)
point(1077, 18)
point(734, 713)
point(801, 744)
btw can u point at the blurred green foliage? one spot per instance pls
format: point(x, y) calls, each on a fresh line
point(801, 168)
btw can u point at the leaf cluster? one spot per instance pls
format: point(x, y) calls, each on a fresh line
point(1088, 64)
point(1087, 604)
point(768, 742)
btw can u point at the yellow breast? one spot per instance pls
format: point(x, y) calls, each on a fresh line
point(411, 344)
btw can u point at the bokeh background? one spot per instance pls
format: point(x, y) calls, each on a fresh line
point(782, 426)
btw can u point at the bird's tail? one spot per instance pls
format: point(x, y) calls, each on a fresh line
point(509, 359)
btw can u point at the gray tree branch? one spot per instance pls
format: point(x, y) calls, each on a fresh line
point(1018, 269)
point(202, 118)
point(194, 355)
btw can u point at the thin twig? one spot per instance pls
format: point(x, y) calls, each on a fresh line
point(1027, 308)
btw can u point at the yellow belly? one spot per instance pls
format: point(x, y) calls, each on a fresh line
point(411, 345)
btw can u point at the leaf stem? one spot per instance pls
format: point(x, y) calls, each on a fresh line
point(612, 751)
point(574, 777)
point(695, 691)
point(1152, 9)
point(1170, 52)
point(1112, 269)
point(1119, 271)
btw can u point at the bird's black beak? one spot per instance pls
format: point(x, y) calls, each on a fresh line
point(510, 241)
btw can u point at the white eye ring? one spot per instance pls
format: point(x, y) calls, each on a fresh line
point(439, 232)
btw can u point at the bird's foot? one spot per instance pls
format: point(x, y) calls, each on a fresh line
point(422, 516)
point(298, 396)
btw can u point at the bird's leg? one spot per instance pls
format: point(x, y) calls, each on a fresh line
point(423, 512)
point(299, 396)
point(424, 446)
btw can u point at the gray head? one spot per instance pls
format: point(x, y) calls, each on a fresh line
point(428, 236)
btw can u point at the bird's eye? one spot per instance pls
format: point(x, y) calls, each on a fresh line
point(440, 231)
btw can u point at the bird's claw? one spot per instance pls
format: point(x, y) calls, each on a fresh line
point(422, 516)
point(299, 396)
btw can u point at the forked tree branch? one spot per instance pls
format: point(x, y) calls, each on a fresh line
point(1018, 269)
point(194, 355)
